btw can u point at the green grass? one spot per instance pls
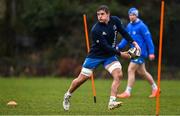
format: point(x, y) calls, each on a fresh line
point(41, 96)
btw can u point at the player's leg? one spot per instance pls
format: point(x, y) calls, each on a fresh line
point(143, 72)
point(77, 82)
point(131, 80)
point(114, 68)
point(86, 72)
point(131, 73)
point(74, 85)
point(117, 76)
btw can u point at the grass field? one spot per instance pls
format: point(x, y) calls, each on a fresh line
point(39, 96)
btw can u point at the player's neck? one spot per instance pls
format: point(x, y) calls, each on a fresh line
point(136, 20)
point(107, 21)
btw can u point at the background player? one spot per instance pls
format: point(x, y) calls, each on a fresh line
point(140, 33)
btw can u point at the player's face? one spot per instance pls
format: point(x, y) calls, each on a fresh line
point(102, 16)
point(132, 17)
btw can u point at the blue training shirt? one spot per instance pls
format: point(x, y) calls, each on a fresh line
point(140, 33)
point(104, 37)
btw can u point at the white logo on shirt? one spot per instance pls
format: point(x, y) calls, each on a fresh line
point(97, 41)
point(104, 33)
point(134, 32)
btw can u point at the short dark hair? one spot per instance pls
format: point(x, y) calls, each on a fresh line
point(104, 8)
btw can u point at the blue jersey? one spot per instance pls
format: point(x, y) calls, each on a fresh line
point(140, 33)
point(104, 38)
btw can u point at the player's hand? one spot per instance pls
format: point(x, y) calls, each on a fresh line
point(151, 56)
point(125, 55)
point(136, 46)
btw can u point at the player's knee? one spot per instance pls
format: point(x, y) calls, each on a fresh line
point(120, 75)
point(117, 74)
point(142, 73)
point(76, 81)
point(80, 79)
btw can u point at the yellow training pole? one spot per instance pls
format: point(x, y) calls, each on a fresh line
point(88, 48)
point(160, 57)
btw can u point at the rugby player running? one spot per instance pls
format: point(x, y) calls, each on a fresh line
point(103, 51)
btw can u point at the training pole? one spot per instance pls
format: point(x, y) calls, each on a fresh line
point(88, 48)
point(160, 57)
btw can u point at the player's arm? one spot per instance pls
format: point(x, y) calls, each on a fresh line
point(102, 42)
point(122, 44)
point(125, 34)
point(148, 40)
